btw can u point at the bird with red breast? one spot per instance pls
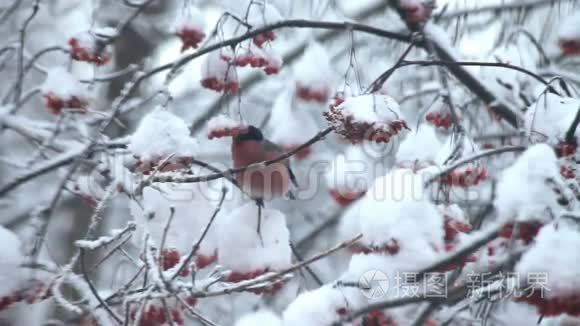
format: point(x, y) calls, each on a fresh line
point(265, 183)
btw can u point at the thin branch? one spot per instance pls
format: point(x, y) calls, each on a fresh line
point(94, 290)
point(571, 133)
point(196, 246)
point(491, 152)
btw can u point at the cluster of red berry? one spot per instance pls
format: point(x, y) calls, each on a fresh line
point(190, 38)
point(262, 38)
point(309, 94)
point(56, 104)
point(526, 231)
point(202, 261)
point(358, 131)
point(568, 172)
point(345, 198)
point(465, 178)
point(270, 64)
point(555, 306)
point(226, 132)
point(92, 55)
point(570, 47)
point(32, 294)
point(566, 149)
point(453, 227)
point(221, 86)
point(377, 318)
point(439, 120)
point(272, 288)
point(155, 315)
point(170, 258)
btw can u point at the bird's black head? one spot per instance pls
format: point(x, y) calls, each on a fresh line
point(252, 133)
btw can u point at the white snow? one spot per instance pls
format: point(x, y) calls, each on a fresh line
point(550, 118)
point(273, 58)
point(215, 67)
point(220, 122)
point(397, 207)
point(570, 27)
point(10, 258)
point(371, 108)
point(313, 69)
point(104, 240)
point(263, 13)
point(239, 245)
point(192, 213)
point(190, 18)
point(63, 84)
point(351, 172)
point(349, 225)
point(315, 308)
point(522, 192)
point(554, 255)
point(105, 32)
point(161, 134)
point(260, 317)
point(421, 144)
point(290, 127)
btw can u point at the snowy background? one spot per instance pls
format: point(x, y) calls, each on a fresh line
point(442, 147)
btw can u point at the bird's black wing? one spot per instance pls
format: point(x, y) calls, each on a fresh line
point(269, 146)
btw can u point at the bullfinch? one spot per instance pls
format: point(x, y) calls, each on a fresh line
point(272, 181)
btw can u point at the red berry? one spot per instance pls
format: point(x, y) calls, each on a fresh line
point(190, 38)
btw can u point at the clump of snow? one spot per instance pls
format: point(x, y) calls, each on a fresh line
point(189, 18)
point(106, 32)
point(569, 29)
point(290, 127)
point(64, 85)
point(351, 172)
point(104, 240)
point(349, 225)
point(192, 213)
point(10, 259)
point(260, 317)
point(274, 61)
point(218, 74)
point(367, 117)
point(550, 117)
point(372, 108)
point(522, 191)
point(240, 248)
point(313, 72)
point(320, 307)
point(396, 208)
point(422, 145)
point(161, 134)
point(554, 255)
point(222, 126)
